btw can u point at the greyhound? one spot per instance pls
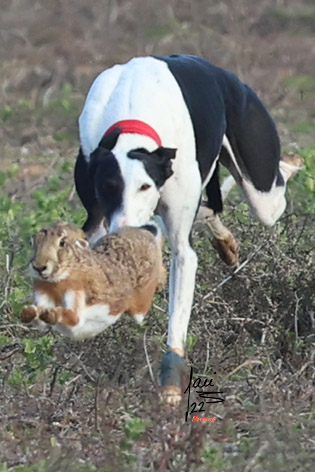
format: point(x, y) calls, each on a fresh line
point(153, 132)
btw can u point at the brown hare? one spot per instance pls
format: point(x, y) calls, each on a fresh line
point(81, 291)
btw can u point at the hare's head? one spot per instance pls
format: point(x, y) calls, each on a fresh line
point(56, 251)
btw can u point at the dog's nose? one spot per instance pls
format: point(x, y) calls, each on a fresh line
point(39, 269)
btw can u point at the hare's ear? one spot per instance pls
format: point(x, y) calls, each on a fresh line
point(82, 243)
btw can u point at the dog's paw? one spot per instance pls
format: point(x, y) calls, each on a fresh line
point(49, 316)
point(173, 367)
point(29, 313)
point(171, 395)
point(228, 249)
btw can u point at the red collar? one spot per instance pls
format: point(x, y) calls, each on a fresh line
point(135, 126)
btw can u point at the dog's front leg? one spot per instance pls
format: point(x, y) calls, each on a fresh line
point(182, 282)
point(178, 220)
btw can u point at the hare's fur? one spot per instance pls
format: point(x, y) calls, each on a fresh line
point(81, 291)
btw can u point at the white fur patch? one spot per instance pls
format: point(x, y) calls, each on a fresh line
point(137, 206)
point(227, 185)
point(138, 318)
point(207, 180)
point(155, 98)
point(266, 206)
point(93, 320)
point(72, 299)
point(43, 300)
point(226, 144)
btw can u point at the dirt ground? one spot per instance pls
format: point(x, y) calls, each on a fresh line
point(95, 405)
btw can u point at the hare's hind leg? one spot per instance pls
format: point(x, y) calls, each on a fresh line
point(141, 301)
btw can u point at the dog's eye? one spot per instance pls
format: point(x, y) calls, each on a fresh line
point(62, 242)
point(145, 187)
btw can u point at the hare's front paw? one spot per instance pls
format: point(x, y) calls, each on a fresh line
point(50, 316)
point(29, 313)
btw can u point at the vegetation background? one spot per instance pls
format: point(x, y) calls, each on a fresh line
point(94, 405)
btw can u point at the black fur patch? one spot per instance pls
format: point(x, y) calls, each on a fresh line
point(108, 181)
point(151, 228)
point(213, 192)
point(86, 191)
point(158, 164)
point(109, 140)
point(219, 103)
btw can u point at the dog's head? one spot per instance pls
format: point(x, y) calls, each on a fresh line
point(128, 186)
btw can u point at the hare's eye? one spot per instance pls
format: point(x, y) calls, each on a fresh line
point(62, 242)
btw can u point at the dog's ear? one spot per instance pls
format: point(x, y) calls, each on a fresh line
point(158, 163)
point(164, 157)
point(165, 153)
point(96, 157)
point(109, 141)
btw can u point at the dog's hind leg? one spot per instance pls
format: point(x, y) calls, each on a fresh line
point(223, 240)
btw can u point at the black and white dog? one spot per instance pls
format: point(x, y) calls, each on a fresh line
point(153, 132)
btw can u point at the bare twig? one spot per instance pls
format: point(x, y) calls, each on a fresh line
point(158, 308)
point(247, 363)
point(207, 358)
point(251, 464)
point(171, 447)
point(70, 198)
point(238, 269)
point(296, 329)
point(14, 325)
point(11, 353)
point(96, 404)
point(88, 375)
point(311, 313)
point(147, 356)
point(53, 380)
point(7, 286)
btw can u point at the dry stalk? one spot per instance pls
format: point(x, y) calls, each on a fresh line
point(147, 356)
point(247, 363)
point(238, 269)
